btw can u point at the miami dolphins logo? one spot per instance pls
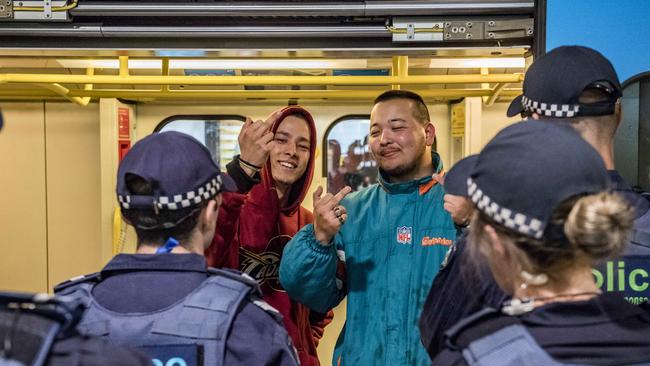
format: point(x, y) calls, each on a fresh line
point(265, 267)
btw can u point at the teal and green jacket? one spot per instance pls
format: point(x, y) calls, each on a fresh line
point(392, 243)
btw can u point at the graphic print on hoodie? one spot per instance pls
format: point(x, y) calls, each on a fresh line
point(252, 230)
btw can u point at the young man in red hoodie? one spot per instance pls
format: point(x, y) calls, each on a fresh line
point(273, 174)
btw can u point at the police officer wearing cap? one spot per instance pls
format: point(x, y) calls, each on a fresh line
point(164, 299)
point(459, 289)
point(542, 221)
point(579, 86)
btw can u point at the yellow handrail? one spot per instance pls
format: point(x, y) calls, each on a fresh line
point(255, 94)
point(65, 92)
point(260, 80)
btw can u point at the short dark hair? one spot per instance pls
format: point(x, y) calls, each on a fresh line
point(420, 110)
point(186, 219)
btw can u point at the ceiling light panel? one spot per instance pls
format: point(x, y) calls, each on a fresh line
point(220, 64)
point(266, 64)
point(470, 63)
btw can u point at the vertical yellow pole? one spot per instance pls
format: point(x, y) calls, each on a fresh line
point(165, 72)
point(485, 71)
point(124, 65)
point(400, 68)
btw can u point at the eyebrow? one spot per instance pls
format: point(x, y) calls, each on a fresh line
point(389, 121)
point(288, 135)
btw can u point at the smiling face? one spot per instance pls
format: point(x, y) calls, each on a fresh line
point(398, 140)
point(290, 154)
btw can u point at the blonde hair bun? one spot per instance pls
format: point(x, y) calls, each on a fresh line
point(599, 225)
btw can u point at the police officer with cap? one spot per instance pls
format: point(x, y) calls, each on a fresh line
point(164, 299)
point(458, 290)
point(542, 221)
point(579, 86)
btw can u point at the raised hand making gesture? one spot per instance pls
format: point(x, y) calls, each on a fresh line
point(329, 215)
point(255, 143)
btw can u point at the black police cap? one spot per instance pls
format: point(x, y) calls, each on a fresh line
point(180, 169)
point(554, 82)
point(528, 169)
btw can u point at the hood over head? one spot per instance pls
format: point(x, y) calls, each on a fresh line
point(300, 187)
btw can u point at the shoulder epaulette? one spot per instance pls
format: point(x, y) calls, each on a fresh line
point(93, 277)
point(235, 275)
point(268, 308)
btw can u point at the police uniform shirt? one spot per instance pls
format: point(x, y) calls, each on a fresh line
point(606, 330)
point(458, 290)
point(133, 283)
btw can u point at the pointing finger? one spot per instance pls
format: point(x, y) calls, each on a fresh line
point(341, 194)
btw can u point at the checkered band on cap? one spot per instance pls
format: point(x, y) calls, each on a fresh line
point(180, 201)
point(550, 110)
point(513, 220)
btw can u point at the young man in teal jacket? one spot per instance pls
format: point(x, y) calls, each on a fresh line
point(392, 237)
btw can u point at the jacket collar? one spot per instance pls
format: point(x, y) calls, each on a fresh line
point(402, 187)
point(155, 262)
point(620, 186)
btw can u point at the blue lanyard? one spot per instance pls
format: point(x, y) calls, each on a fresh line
point(170, 244)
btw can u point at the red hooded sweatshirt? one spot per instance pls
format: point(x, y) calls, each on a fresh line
point(252, 232)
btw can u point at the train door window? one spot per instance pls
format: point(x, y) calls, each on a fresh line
point(217, 133)
point(632, 143)
point(348, 160)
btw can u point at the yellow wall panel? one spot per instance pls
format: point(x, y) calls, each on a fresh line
point(495, 119)
point(73, 190)
point(23, 262)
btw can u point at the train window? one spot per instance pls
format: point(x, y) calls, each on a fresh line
point(632, 144)
point(217, 133)
point(348, 160)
